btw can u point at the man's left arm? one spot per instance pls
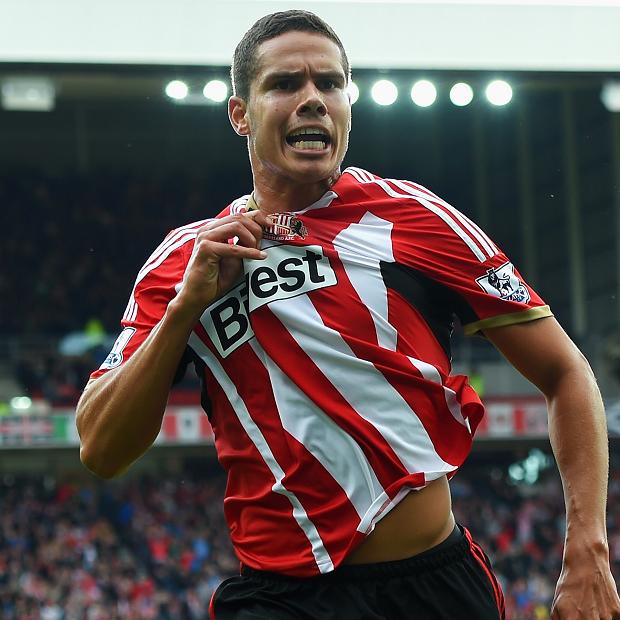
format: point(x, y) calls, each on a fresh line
point(545, 355)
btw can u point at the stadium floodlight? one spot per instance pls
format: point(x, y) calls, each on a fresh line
point(610, 95)
point(32, 94)
point(384, 92)
point(423, 93)
point(353, 91)
point(21, 403)
point(461, 94)
point(216, 91)
point(498, 92)
point(177, 90)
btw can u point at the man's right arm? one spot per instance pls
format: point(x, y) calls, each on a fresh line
point(120, 413)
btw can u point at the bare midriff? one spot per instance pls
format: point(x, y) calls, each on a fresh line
point(420, 521)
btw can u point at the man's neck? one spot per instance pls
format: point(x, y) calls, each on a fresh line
point(292, 197)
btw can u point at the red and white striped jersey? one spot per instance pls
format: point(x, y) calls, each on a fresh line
point(327, 367)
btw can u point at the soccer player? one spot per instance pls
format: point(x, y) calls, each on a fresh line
point(318, 312)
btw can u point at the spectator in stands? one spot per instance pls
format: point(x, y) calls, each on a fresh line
point(69, 552)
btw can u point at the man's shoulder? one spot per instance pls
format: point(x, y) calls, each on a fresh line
point(185, 233)
point(392, 187)
point(365, 187)
point(182, 235)
point(173, 247)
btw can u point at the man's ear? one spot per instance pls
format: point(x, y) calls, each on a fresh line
point(237, 114)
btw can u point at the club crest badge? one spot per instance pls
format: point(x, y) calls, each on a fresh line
point(502, 282)
point(284, 227)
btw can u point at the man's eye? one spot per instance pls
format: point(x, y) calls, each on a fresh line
point(327, 84)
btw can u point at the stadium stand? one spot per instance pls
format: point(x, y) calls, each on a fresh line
point(155, 548)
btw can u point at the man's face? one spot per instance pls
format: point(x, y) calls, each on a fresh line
point(298, 113)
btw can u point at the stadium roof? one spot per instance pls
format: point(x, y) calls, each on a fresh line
point(457, 34)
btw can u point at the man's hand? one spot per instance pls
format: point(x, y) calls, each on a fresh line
point(215, 264)
point(586, 589)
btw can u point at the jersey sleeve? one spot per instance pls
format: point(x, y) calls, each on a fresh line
point(436, 239)
point(156, 285)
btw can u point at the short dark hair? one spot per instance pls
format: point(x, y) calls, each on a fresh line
point(244, 60)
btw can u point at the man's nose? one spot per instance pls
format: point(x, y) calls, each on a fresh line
point(311, 102)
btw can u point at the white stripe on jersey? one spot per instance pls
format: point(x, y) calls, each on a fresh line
point(360, 246)
point(425, 202)
point(132, 307)
point(374, 234)
point(173, 238)
point(163, 249)
point(486, 243)
point(359, 382)
point(321, 556)
point(380, 507)
point(239, 205)
point(335, 449)
point(430, 373)
point(383, 504)
point(321, 203)
point(361, 175)
point(353, 172)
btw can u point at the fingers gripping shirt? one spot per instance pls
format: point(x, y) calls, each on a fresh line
point(328, 366)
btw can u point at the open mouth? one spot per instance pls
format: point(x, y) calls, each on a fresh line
point(311, 139)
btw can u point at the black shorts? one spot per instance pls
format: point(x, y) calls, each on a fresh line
point(452, 581)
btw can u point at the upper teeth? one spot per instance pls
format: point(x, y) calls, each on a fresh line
point(302, 132)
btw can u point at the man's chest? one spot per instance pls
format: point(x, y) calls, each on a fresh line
point(314, 270)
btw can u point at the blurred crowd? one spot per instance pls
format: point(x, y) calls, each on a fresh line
point(155, 548)
point(58, 380)
point(521, 528)
point(150, 549)
point(75, 243)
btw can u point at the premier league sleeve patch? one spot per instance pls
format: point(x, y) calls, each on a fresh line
point(502, 282)
point(115, 356)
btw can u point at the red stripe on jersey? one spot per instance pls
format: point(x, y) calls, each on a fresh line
point(469, 401)
point(356, 324)
point(450, 437)
point(305, 374)
point(326, 503)
point(412, 480)
point(173, 237)
point(299, 464)
point(253, 510)
point(463, 226)
point(467, 224)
